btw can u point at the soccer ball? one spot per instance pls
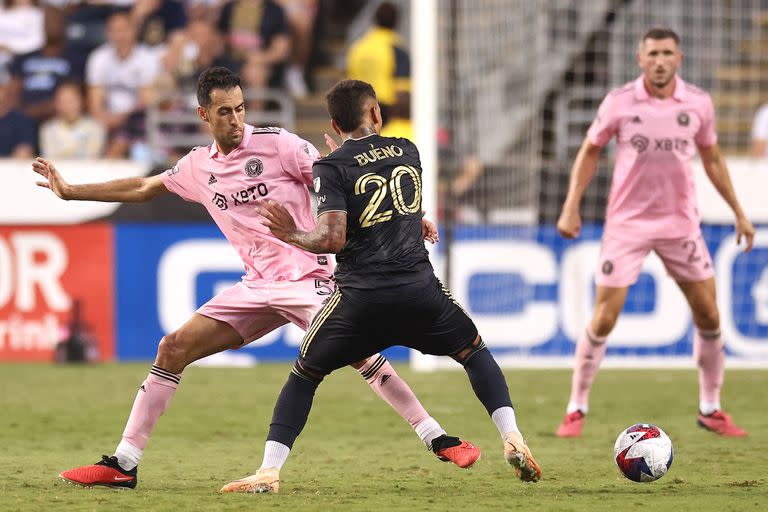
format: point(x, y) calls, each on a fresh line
point(643, 453)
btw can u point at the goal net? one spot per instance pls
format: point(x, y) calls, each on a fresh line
point(518, 83)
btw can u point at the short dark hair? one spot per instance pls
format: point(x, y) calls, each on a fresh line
point(661, 33)
point(346, 101)
point(214, 78)
point(386, 15)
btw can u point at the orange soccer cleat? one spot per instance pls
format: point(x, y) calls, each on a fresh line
point(265, 480)
point(517, 454)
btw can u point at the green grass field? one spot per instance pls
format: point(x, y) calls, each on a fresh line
point(357, 454)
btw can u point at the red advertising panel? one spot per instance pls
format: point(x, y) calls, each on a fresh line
point(44, 272)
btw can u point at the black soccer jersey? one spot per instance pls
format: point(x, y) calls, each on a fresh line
point(377, 181)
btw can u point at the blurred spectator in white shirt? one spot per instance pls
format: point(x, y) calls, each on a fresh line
point(120, 76)
point(760, 133)
point(70, 134)
point(21, 30)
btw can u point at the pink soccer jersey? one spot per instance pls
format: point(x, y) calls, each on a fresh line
point(270, 163)
point(653, 194)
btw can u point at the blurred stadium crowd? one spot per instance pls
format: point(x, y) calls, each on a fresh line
point(81, 79)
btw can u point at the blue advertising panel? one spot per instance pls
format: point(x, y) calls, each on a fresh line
point(529, 291)
point(531, 294)
point(164, 272)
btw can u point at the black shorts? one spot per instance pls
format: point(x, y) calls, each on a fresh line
point(349, 328)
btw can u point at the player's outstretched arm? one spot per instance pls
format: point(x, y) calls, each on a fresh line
point(717, 172)
point(123, 190)
point(582, 172)
point(329, 235)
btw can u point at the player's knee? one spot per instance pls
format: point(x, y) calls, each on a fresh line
point(603, 321)
point(707, 319)
point(464, 355)
point(172, 353)
point(305, 373)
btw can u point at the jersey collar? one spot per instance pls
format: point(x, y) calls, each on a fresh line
point(213, 150)
point(360, 138)
point(641, 94)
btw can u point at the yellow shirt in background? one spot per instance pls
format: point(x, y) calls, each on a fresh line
point(378, 58)
point(398, 127)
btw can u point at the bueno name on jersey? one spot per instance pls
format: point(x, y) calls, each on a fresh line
point(377, 181)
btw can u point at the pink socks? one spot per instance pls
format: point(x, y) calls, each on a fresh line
point(709, 355)
point(590, 350)
point(152, 400)
point(380, 375)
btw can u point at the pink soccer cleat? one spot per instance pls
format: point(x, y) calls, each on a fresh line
point(721, 423)
point(572, 424)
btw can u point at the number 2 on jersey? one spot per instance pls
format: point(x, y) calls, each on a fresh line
point(371, 215)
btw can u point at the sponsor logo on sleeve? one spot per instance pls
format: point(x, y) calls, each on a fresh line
point(173, 170)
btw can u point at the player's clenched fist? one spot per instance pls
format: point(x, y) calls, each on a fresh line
point(569, 224)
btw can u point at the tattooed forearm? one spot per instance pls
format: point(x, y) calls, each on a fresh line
point(314, 241)
point(328, 237)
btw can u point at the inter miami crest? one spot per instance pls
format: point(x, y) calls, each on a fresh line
point(254, 167)
point(683, 119)
point(607, 267)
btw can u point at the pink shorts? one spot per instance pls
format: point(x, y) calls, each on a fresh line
point(254, 309)
point(620, 262)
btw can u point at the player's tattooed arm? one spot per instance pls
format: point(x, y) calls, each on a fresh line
point(329, 235)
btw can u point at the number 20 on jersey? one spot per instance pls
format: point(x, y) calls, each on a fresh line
point(371, 214)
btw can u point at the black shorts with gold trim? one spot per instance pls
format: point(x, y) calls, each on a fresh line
point(355, 324)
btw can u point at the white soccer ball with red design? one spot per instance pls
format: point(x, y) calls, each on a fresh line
point(643, 453)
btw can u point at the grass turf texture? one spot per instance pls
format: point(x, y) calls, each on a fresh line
point(357, 454)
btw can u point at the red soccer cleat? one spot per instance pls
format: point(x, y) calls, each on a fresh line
point(106, 472)
point(721, 423)
point(572, 424)
point(453, 449)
